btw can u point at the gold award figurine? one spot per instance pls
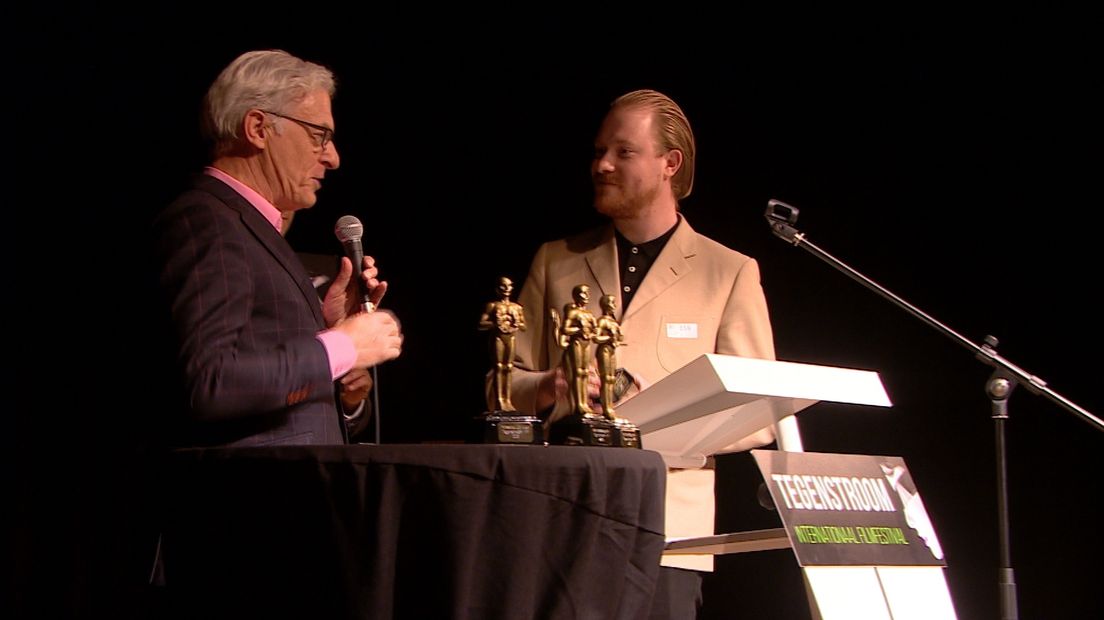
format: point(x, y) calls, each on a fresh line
point(608, 337)
point(504, 318)
point(574, 336)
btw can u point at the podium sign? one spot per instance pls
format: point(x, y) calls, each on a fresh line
point(850, 509)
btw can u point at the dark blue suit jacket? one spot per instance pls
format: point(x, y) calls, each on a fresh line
point(244, 316)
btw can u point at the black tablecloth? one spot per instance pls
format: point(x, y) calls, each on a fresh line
point(412, 531)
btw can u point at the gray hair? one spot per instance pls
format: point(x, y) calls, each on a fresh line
point(672, 132)
point(267, 80)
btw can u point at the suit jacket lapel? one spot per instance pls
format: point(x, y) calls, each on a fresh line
point(602, 260)
point(669, 267)
point(270, 239)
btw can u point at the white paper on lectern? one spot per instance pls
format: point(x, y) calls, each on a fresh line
point(716, 400)
point(879, 592)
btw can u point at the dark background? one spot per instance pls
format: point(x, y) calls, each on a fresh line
point(953, 158)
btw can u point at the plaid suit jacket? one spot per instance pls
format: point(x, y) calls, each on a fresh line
point(243, 317)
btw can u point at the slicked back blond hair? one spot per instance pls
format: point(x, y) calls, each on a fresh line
point(672, 132)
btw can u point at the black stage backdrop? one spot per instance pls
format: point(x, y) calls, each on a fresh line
point(953, 158)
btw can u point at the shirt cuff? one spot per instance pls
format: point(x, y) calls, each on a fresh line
point(349, 417)
point(340, 351)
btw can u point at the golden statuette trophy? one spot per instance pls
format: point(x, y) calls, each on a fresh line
point(607, 337)
point(575, 334)
point(504, 424)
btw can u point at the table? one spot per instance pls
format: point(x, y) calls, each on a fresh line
point(412, 531)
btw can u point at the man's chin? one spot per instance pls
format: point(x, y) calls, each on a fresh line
point(605, 204)
point(612, 209)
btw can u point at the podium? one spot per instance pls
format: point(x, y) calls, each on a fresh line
point(716, 400)
point(844, 516)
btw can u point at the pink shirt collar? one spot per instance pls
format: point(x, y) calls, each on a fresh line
point(270, 213)
point(339, 347)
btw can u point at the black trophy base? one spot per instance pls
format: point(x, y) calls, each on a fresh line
point(626, 434)
point(582, 430)
point(506, 427)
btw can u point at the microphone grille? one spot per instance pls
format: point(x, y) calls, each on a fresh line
point(348, 228)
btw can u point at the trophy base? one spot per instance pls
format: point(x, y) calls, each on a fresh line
point(626, 434)
point(582, 430)
point(506, 427)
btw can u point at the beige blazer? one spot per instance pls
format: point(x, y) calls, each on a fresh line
point(698, 297)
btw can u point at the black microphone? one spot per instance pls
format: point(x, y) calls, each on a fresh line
point(349, 231)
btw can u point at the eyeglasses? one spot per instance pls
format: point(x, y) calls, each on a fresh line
point(320, 140)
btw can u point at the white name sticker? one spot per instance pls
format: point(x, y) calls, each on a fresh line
point(682, 330)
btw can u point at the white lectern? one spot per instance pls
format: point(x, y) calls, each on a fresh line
point(716, 400)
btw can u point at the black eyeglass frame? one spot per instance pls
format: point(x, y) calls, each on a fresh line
point(327, 133)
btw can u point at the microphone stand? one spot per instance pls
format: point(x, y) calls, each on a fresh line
point(368, 306)
point(375, 402)
point(1005, 377)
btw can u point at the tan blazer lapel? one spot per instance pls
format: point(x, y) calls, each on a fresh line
point(670, 266)
point(602, 261)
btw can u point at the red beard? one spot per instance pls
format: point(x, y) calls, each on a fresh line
point(612, 201)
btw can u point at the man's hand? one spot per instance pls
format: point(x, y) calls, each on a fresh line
point(552, 387)
point(355, 386)
point(376, 336)
point(343, 297)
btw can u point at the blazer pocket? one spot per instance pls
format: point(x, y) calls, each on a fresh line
point(683, 338)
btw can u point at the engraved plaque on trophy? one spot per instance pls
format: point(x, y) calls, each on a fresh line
point(504, 424)
point(626, 434)
point(575, 333)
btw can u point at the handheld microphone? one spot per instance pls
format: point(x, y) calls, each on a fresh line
point(349, 231)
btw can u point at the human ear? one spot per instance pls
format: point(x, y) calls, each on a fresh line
point(254, 129)
point(673, 162)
